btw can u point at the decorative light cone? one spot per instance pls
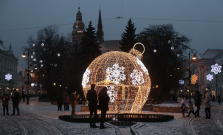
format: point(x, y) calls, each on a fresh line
point(126, 78)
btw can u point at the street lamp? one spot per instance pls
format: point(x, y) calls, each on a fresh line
point(193, 58)
point(26, 52)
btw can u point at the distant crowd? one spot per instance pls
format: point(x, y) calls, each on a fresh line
point(197, 100)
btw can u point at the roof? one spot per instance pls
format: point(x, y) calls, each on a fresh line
point(110, 45)
point(2, 47)
point(210, 53)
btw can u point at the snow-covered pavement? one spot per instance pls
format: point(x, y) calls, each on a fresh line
point(41, 118)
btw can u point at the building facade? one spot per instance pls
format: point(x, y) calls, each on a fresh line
point(8, 65)
point(207, 79)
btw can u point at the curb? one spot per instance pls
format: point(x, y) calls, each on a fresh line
point(133, 129)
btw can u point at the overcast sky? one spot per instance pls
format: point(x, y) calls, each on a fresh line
point(200, 20)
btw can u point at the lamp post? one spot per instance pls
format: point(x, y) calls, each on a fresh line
point(193, 58)
point(26, 53)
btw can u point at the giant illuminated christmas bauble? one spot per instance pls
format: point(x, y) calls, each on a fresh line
point(126, 78)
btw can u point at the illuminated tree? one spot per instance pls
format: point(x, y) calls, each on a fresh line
point(164, 56)
point(47, 54)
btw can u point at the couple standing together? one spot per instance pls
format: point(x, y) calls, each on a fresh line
point(92, 103)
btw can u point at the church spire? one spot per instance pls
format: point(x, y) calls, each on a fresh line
point(79, 15)
point(100, 33)
point(10, 47)
point(78, 28)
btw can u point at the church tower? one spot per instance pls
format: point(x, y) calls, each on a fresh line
point(100, 33)
point(78, 28)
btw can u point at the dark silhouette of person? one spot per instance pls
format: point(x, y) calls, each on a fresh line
point(197, 100)
point(213, 98)
point(15, 102)
point(59, 102)
point(183, 107)
point(92, 104)
point(191, 109)
point(74, 98)
point(219, 99)
point(5, 103)
point(103, 105)
point(207, 104)
point(66, 102)
point(23, 96)
point(27, 98)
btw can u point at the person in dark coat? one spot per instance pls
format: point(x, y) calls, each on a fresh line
point(183, 107)
point(15, 102)
point(103, 105)
point(207, 104)
point(27, 98)
point(23, 97)
point(191, 109)
point(74, 97)
point(197, 100)
point(92, 103)
point(66, 102)
point(59, 102)
point(213, 98)
point(219, 99)
point(5, 103)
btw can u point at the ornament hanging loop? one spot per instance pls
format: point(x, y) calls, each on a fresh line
point(137, 53)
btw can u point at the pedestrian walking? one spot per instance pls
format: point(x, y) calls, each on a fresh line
point(197, 100)
point(15, 102)
point(74, 98)
point(219, 99)
point(92, 104)
point(213, 98)
point(103, 105)
point(66, 102)
point(27, 98)
point(191, 109)
point(207, 104)
point(23, 97)
point(183, 107)
point(5, 103)
point(59, 102)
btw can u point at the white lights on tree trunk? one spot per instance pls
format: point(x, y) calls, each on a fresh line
point(32, 84)
point(209, 77)
point(155, 51)
point(216, 68)
point(8, 77)
point(169, 42)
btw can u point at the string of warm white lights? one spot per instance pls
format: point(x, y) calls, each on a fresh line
point(126, 78)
